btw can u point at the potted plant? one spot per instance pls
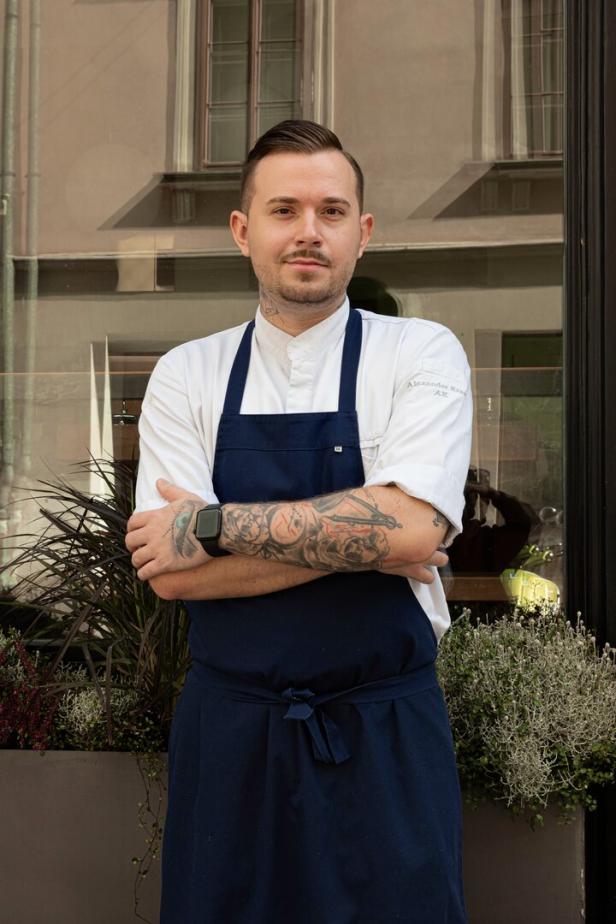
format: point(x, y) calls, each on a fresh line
point(90, 684)
point(532, 704)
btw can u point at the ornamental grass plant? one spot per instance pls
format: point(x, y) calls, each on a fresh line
point(532, 703)
point(76, 576)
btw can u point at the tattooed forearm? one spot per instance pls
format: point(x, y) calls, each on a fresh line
point(183, 541)
point(345, 531)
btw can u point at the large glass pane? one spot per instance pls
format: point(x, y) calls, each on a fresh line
point(116, 249)
point(114, 263)
point(128, 267)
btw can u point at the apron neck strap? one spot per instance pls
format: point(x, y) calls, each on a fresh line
point(350, 362)
point(348, 371)
point(239, 371)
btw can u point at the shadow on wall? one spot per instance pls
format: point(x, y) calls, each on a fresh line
point(532, 187)
point(171, 200)
point(367, 292)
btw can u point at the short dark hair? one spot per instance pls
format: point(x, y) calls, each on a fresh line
point(302, 137)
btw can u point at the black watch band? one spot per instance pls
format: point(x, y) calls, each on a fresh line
point(208, 526)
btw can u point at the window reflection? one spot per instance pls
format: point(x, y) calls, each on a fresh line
point(116, 235)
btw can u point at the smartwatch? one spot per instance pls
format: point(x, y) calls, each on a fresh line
point(207, 529)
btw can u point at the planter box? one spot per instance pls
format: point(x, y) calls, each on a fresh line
point(69, 829)
point(514, 875)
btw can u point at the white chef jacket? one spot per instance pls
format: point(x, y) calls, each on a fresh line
point(414, 408)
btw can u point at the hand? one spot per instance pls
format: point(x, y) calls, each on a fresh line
point(163, 540)
point(420, 571)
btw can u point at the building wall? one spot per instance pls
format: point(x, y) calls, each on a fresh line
point(409, 96)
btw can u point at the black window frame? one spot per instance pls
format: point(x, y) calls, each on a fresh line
point(590, 372)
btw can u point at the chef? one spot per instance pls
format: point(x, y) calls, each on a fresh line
point(297, 477)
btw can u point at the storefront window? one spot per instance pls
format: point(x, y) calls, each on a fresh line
point(116, 244)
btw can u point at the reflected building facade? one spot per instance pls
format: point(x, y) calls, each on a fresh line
point(124, 126)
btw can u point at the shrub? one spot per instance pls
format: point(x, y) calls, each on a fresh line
point(77, 577)
point(532, 704)
point(70, 710)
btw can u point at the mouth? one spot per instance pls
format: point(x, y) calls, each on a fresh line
point(306, 264)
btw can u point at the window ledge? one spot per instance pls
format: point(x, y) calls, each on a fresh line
point(203, 179)
point(528, 168)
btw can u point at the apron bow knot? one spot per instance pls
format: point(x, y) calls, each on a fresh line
point(327, 743)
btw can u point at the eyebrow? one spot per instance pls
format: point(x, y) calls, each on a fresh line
point(289, 200)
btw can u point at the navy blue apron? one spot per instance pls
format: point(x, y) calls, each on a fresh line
point(312, 777)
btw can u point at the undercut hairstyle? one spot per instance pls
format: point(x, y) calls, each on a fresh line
point(299, 136)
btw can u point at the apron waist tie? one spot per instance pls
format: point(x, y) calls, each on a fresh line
point(304, 705)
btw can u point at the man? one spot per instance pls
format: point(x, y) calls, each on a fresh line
point(336, 443)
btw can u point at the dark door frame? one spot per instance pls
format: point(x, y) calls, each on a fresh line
point(590, 371)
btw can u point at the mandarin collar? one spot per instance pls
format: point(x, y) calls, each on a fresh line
point(314, 340)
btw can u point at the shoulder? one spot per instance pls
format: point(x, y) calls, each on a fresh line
point(202, 353)
point(414, 342)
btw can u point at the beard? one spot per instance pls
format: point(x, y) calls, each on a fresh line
point(304, 289)
point(296, 293)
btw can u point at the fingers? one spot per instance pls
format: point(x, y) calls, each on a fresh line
point(149, 571)
point(138, 520)
point(141, 557)
point(135, 539)
point(421, 573)
point(439, 559)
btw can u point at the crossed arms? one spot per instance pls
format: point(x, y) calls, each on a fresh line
point(280, 545)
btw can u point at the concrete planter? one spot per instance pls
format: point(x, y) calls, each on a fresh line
point(513, 874)
point(69, 830)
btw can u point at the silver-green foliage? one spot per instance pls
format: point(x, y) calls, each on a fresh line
point(532, 704)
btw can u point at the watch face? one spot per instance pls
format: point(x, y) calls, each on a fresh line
point(208, 523)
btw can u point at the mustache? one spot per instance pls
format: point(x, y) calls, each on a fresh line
point(315, 255)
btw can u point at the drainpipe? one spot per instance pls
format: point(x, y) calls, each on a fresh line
point(32, 228)
point(11, 18)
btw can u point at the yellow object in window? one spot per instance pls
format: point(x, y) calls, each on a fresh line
point(525, 588)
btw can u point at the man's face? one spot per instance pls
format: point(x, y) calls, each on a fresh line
point(303, 231)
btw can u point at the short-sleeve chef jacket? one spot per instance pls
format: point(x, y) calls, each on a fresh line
point(414, 408)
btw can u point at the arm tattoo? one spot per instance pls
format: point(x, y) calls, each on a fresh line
point(182, 539)
point(439, 519)
point(337, 532)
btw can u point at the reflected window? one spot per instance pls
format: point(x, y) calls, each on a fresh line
point(512, 542)
point(252, 72)
point(534, 77)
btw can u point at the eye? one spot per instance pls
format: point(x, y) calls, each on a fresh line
point(282, 210)
point(334, 211)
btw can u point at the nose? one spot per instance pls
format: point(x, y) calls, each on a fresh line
point(307, 232)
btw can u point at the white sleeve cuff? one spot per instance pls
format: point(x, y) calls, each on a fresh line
point(429, 483)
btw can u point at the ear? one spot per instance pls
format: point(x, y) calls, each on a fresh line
point(366, 223)
point(238, 222)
